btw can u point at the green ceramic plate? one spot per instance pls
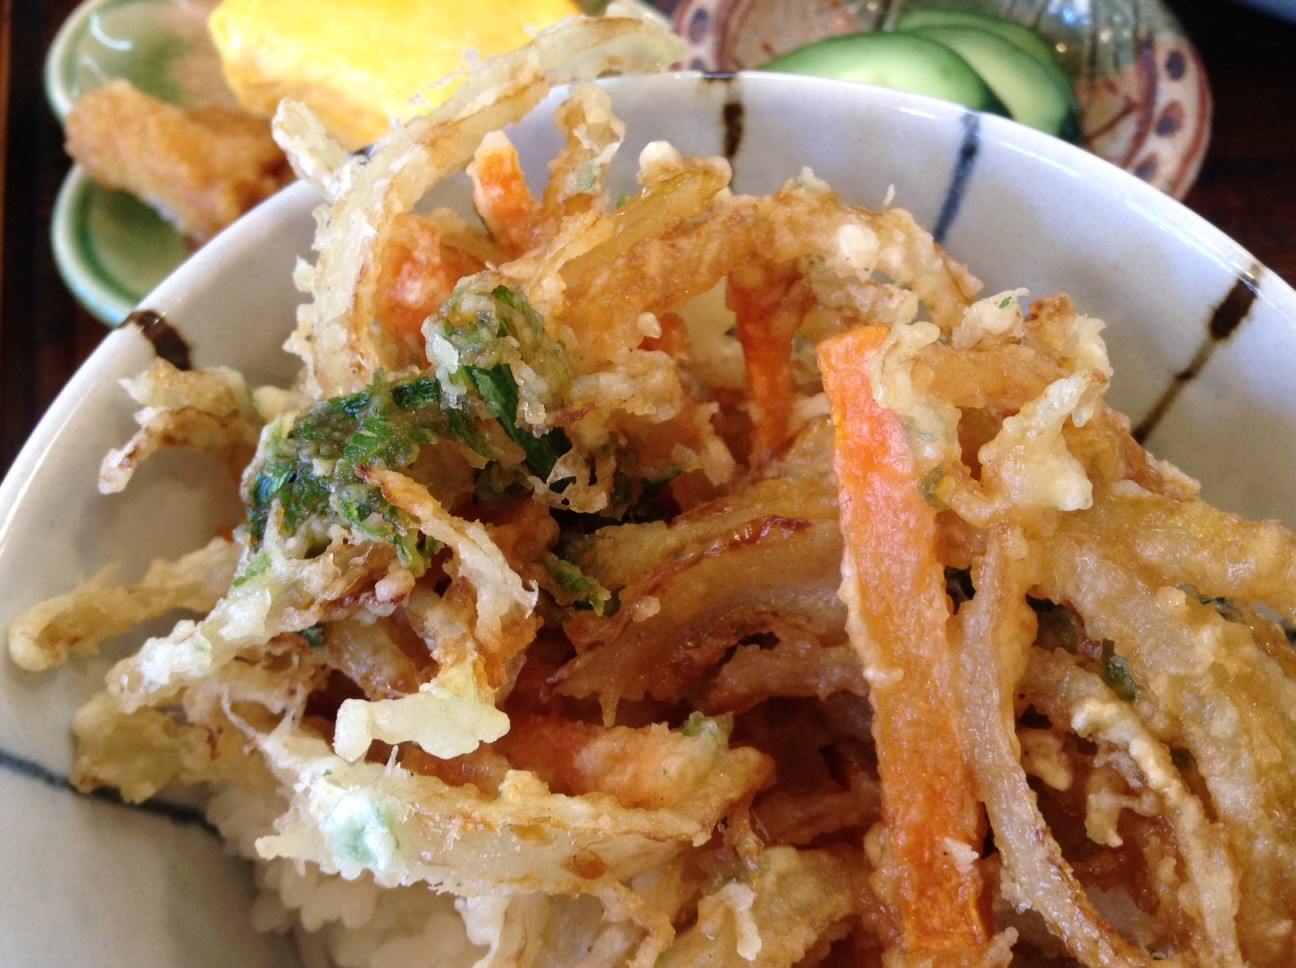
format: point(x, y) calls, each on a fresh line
point(111, 249)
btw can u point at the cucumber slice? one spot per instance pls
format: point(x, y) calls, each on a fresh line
point(1021, 35)
point(903, 61)
point(1033, 92)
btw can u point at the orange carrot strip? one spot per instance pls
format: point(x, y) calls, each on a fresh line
point(418, 274)
point(500, 192)
point(768, 311)
point(674, 336)
point(894, 587)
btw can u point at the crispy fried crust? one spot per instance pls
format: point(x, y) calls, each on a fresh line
point(200, 168)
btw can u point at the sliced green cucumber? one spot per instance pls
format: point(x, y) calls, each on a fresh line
point(903, 61)
point(1034, 95)
point(1021, 35)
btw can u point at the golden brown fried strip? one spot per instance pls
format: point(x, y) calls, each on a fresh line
point(503, 623)
point(1077, 699)
point(800, 817)
point(797, 664)
point(206, 410)
point(1221, 555)
point(682, 618)
point(796, 897)
point(577, 173)
point(649, 768)
point(200, 168)
point(369, 655)
point(604, 280)
point(997, 628)
point(79, 621)
point(1202, 685)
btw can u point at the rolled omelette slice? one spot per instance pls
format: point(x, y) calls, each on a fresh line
point(358, 65)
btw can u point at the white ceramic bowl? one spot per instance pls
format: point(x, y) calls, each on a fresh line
point(1202, 338)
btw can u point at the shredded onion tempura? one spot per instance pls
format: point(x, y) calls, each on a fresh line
point(695, 578)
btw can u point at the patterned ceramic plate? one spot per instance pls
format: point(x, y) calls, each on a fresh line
point(1145, 103)
point(1200, 335)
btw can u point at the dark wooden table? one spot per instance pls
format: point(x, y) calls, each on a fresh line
point(1247, 185)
